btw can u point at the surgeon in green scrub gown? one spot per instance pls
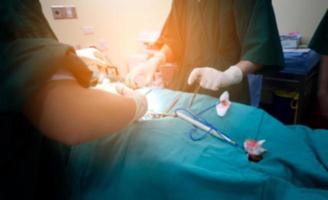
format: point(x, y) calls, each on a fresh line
point(319, 43)
point(211, 36)
point(46, 105)
point(31, 166)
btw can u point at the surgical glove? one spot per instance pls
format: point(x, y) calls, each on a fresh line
point(92, 57)
point(139, 99)
point(212, 79)
point(142, 74)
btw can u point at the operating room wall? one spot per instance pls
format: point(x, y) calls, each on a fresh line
point(116, 24)
point(299, 15)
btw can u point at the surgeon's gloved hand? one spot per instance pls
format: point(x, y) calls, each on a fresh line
point(139, 99)
point(142, 74)
point(212, 79)
point(92, 57)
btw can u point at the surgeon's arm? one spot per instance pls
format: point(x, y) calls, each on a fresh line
point(148, 68)
point(69, 113)
point(167, 52)
point(248, 67)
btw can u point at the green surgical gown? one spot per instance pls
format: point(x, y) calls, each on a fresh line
point(31, 166)
point(219, 33)
point(319, 41)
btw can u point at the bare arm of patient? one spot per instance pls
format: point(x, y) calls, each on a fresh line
point(71, 114)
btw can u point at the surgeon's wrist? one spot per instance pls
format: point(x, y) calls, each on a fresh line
point(159, 57)
point(234, 75)
point(141, 106)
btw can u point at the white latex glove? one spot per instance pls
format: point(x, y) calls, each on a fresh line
point(142, 74)
point(212, 79)
point(92, 57)
point(139, 99)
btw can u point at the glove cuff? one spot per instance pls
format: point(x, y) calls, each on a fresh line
point(234, 76)
point(161, 56)
point(141, 106)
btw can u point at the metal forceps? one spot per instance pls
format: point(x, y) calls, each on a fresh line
point(174, 102)
point(194, 95)
point(167, 110)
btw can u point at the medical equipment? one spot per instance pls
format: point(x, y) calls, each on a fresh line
point(204, 127)
point(197, 123)
point(194, 95)
point(191, 118)
point(174, 102)
point(158, 115)
point(148, 91)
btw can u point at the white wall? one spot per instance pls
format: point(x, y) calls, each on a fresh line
point(299, 15)
point(117, 23)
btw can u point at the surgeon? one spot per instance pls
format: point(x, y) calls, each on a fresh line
point(319, 43)
point(215, 44)
point(46, 104)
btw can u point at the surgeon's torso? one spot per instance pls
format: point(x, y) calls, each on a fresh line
point(209, 38)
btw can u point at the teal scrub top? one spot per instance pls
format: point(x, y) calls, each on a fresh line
point(219, 33)
point(31, 166)
point(319, 41)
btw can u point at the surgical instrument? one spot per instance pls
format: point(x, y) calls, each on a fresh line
point(174, 102)
point(204, 127)
point(194, 95)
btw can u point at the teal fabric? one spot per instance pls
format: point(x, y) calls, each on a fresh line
point(156, 159)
